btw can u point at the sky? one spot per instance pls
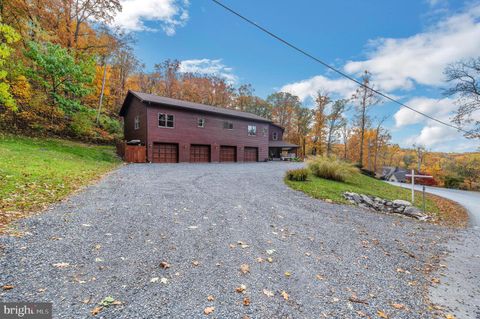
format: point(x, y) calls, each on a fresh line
point(406, 45)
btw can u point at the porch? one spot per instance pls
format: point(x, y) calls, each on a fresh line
point(282, 151)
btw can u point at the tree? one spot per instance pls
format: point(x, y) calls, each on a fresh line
point(302, 120)
point(366, 98)
point(345, 132)
point(381, 139)
point(334, 122)
point(319, 123)
point(8, 36)
point(284, 105)
point(465, 79)
point(64, 78)
point(420, 151)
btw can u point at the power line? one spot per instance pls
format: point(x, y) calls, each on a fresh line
point(273, 35)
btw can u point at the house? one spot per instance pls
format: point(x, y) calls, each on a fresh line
point(394, 174)
point(179, 131)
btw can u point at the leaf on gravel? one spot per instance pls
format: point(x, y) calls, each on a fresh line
point(98, 260)
point(195, 263)
point(285, 295)
point(270, 251)
point(398, 305)
point(319, 277)
point(308, 254)
point(268, 293)
point(208, 310)
point(242, 244)
point(241, 289)
point(382, 314)
point(232, 245)
point(260, 260)
point(107, 301)
point(400, 270)
point(86, 225)
point(7, 287)
point(450, 316)
point(193, 227)
point(270, 259)
point(61, 265)
point(164, 265)
point(288, 274)
point(355, 299)
point(210, 298)
point(246, 301)
point(154, 279)
point(361, 313)
point(98, 246)
point(164, 280)
point(435, 280)
point(95, 311)
point(244, 268)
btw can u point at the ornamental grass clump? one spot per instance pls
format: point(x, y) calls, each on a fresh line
point(299, 174)
point(332, 169)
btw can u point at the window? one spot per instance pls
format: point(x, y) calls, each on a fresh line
point(228, 125)
point(137, 122)
point(252, 130)
point(165, 120)
point(201, 122)
point(274, 136)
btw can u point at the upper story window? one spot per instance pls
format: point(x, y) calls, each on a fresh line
point(274, 136)
point(201, 122)
point(252, 130)
point(166, 120)
point(228, 125)
point(137, 122)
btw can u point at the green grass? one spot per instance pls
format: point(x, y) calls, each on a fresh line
point(327, 189)
point(35, 172)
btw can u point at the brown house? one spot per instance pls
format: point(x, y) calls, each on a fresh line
point(179, 131)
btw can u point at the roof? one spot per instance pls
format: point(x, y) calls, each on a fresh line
point(280, 127)
point(281, 144)
point(151, 98)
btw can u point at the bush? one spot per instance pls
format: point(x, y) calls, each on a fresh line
point(331, 168)
point(453, 182)
point(299, 174)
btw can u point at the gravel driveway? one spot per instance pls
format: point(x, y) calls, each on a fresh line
point(205, 221)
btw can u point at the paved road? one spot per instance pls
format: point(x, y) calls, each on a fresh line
point(460, 287)
point(470, 200)
point(306, 258)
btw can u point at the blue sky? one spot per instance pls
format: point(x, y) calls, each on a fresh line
point(405, 44)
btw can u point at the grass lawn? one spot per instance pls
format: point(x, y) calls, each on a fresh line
point(35, 172)
point(442, 210)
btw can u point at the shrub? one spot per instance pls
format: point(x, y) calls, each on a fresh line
point(331, 168)
point(299, 174)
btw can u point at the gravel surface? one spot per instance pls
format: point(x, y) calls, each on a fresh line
point(115, 234)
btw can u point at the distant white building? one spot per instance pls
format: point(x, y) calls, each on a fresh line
point(394, 174)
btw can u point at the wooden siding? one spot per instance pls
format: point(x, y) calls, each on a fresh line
point(186, 132)
point(136, 108)
point(276, 129)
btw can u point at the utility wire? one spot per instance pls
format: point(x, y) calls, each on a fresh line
point(273, 35)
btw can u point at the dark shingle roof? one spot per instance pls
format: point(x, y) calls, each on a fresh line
point(144, 97)
point(281, 144)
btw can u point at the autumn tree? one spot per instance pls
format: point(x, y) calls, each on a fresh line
point(8, 36)
point(334, 122)
point(366, 98)
point(301, 123)
point(319, 121)
point(420, 152)
point(464, 77)
point(284, 105)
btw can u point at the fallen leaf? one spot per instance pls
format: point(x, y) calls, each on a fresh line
point(357, 300)
point(208, 310)
point(398, 306)
point(382, 314)
point(95, 311)
point(164, 265)
point(288, 274)
point(210, 298)
point(320, 277)
point(164, 280)
point(400, 270)
point(195, 263)
point(435, 280)
point(270, 251)
point(154, 279)
point(308, 254)
point(268, 293)
point(241, 289)
point(61, 265)
point(270, 259)
point(450, 316)
point(107, 301)
point(244, 268)
point(7, 287)
point(260, 260)
point(232, 245)
point(361, 313)
point(284, 295)
point(246, 301)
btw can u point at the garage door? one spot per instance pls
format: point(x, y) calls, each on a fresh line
point(250, 154)
point(199, 153)
point(228, 153)
point(165, 153)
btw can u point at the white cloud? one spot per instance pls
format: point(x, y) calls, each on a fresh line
point(308, 88)
point(400, 63)
point(171, 14)
point(210, 67)
point(438, 108)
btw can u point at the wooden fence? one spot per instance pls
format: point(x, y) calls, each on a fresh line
point(132, 153)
